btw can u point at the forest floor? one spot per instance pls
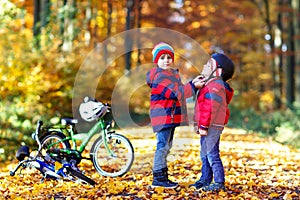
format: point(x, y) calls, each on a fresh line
point(255, 168)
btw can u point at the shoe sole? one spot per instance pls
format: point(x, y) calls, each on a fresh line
point(156, 186)
point(216, 190)
point(195, 187)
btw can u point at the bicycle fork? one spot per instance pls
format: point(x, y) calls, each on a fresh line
point(104, 137)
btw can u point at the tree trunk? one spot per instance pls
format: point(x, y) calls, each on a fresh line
point(62, 22)
point(109, 26)
point(37, 22)
point(275, 70)
point(69, 16)
point(278, 58)
point(290, 73)
point(296, 24)
point(128, 39)
point(45, 8)
point(139, 13)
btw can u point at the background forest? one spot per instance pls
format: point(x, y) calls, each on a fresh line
point(43, 43)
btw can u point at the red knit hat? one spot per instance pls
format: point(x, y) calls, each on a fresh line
point(162, 48)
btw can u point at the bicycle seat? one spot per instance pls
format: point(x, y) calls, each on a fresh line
point(22, 153)
point(65, 121)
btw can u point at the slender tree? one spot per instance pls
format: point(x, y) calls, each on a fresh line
point(129, 40)
point(41, 18)
point(69, 28)
point(37, 22)
point(138, 19)
point(278, 56)
point(290, 72)
point(109, 25)
point(265, 13)
point(295, 4)
point(45, 14)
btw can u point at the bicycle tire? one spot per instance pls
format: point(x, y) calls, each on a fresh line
point(54, 136)
point(81, 177)
point(116, 166)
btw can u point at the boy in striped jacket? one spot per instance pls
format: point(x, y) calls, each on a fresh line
point(210, 117)
point(167, 108)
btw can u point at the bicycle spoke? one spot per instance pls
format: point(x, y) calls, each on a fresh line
point(121, 160)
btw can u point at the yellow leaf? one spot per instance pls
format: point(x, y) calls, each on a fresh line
point(159, 190)
point(157, 197)
point(170, 191)
point(274, 194)
point(223, 194)
point(57, 166)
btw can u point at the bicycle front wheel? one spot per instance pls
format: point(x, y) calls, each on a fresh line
point(81, 177)
point(121, 159)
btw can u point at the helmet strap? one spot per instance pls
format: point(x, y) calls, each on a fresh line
point(211, 76)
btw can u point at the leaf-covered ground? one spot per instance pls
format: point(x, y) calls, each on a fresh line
point(255, 168)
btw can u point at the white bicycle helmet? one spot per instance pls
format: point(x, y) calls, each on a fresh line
point(91, 110)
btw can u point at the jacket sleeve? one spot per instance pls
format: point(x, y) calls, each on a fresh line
point(170, 88)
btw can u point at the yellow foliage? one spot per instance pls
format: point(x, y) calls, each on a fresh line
point(248, 99)
point(267, 97)
point(259, 169)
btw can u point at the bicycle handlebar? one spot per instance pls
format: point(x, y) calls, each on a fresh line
point(36, 133)
point(36, 138)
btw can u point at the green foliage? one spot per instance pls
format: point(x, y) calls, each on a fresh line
point(9, 12)
point(283, 125)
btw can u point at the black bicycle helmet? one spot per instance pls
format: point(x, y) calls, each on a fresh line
point(226, 64)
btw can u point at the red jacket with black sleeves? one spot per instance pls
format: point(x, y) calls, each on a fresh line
point(168, 98)
point(212, 101)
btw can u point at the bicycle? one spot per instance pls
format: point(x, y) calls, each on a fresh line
point(49, 168)
point(112, 154)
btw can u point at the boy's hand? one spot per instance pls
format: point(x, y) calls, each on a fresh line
point(196, 129)
point(199, 81)
point(202, 132)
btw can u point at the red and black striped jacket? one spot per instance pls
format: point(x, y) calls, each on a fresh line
point(212, 101)
point(168, 98)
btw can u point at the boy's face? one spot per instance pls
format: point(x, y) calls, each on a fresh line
point(164, 61)
point(209, 67)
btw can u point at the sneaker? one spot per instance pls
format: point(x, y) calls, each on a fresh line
point(199, 184)
point(214, 187)
point(172, 182)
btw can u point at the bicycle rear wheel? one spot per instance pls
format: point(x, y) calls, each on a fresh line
point(77, 176)
point(54, 139)
point(121, 160)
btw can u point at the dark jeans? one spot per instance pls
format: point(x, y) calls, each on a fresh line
point(210, 156)
point(163, 146)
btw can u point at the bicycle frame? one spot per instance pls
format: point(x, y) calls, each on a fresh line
point(84, 137)
point(48, 169)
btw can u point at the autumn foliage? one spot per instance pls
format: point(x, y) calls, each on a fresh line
point(255, 168)
point(38, 74)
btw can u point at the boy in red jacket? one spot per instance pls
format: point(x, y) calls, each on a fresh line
point(211, 115)
point(167, 108)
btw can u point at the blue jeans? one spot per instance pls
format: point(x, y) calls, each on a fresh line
point(164, 143)
point(212, 166)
